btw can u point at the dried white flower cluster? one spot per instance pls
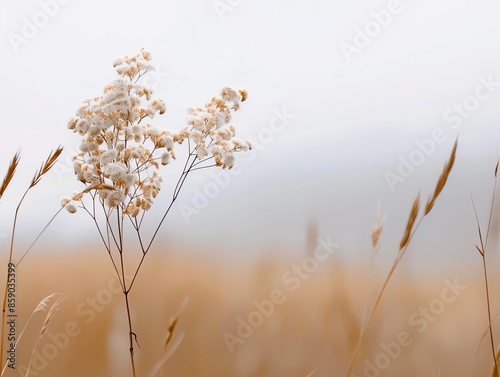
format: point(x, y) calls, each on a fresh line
point(120, 154)
point(205, 128)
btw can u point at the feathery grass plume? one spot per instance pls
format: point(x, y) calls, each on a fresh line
point(42, 305)
point(48, 319)
point(174, 320)
point(411, 222)
point(10, 172)
point(442, 179)
point(49, 163)
point(170, 331)
point(46, 166)
point(377, 228)
point(159, 365)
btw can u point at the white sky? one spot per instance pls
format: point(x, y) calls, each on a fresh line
point(353, 119)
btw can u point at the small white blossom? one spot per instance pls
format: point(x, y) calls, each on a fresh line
point(108, 156)
point(165, 158)
point(65, 200)
point(229, 161)
point(70, 207)
point(153, 131)
point(115, 198)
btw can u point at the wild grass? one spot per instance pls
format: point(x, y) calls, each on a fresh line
point(322, 328)
point(9, 296)
point(409, 232)
point(317, 330)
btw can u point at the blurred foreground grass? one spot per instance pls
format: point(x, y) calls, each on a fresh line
point(260, 319)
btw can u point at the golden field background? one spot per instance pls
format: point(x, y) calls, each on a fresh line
point(313, 332)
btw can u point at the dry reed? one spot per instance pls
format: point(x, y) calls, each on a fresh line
point(410, 230)
point(11, 171)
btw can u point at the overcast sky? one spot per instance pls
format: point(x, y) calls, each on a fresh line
point(356, 85)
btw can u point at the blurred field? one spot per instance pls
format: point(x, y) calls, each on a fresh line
point(312, 331)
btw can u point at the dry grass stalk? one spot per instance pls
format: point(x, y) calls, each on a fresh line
point(49, 163)
point(442, 179)
point(10, 173)
point(173, 322)
point(45, 168)
point(42, 305)
point(410, 231)
point(48, 319)
point(170, 331)
point(377, 229)
point(483, 242)
point(495, 365)
point(411, 222)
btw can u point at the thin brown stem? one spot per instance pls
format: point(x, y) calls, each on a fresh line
point(131, 333)
point(482, 252)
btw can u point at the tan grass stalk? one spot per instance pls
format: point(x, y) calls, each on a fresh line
point(174, 320)
point(410, 230)
point(10, 172)
point(377, 229)
point(40, 307)
point(159, 365)
point(495, 365)
point(485, 333)
point(481, 248)
point(170, 331)
point(442, 179)
point(411, 223)
point(45, 168)
point(45, 327)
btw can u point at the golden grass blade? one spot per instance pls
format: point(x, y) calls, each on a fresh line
point(49, 163)
point(483, 337)
point(50, 315)
point(497, 361)
point(174, 320)
point(45, 327)
point(411, 222)
point(42, 305)
point(442, 179)
point(10, 172)
point(377, 229)
point(157, 368)
point(171, 327)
